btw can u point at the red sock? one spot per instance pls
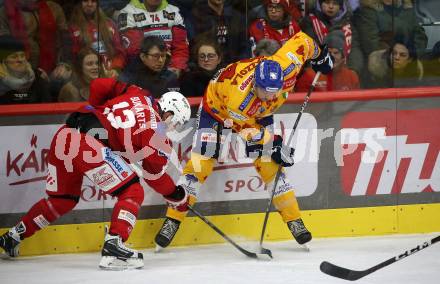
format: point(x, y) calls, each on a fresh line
point(126, 210)
point(45, 212)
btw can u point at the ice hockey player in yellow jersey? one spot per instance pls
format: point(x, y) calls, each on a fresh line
point(243, 97)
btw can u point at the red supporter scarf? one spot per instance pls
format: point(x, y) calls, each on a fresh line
point(321, 32)
point(46, 32)
point(292, 29)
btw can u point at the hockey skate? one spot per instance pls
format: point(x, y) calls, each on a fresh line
point(300, 232)
point(166, 233)
point(10, 240)
point(116, 256)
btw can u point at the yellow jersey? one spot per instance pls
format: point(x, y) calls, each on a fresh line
point(230, 99)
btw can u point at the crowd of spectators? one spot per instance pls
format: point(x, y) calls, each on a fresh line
point(51, 50)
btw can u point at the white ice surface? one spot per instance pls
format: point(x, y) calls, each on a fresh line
point(224, 264)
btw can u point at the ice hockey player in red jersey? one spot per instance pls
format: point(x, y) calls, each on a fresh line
point(121, 126)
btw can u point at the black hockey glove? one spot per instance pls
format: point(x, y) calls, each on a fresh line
point(324, 62)
point(282, 154)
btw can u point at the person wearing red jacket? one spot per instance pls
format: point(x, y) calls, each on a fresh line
point(122, 118)
point(341, 78)
point(90, 27)
point(155, 18)
point(278, 23)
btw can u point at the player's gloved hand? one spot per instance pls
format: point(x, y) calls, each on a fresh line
point(178, 200)
point(253, 150)
point(324, 62)
point(282, 154)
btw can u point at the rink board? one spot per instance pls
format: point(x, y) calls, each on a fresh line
point(367, 163)
point(348, 222)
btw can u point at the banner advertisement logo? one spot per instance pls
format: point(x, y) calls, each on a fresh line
point(390, 152)
point(24, 170)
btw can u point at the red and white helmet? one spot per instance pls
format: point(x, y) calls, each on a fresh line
point(176, 103)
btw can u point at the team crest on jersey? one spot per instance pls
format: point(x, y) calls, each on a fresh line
point(103, 177)
point(169, 16)
point(246, 101)
point(139, 17)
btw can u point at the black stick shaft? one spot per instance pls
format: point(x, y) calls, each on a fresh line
point(277, 177)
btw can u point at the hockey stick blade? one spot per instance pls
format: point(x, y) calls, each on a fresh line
point(353, 275)
point(341, 272)
point(264, 252)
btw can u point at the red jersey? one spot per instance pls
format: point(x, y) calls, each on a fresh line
point(135, 23)
point(134, 128)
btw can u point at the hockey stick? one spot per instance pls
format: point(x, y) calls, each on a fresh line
point(215, 228)
point(353, 275)
point(277, 177)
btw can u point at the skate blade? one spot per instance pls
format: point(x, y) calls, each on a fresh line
point(158, 248)
point(113, 263)
point(305, 247)
point(5, 256)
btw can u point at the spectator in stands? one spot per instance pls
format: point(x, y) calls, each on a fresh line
point(41, 26)
point(341, 78)
point(19, 83)
point(212, 18)
point(352, 5)
point(397, 66)
point(332, 15)
point(257, 10)
point(266, 47)
point(207, 53)
point(149, 70)
point(155, 18)
point(86, 68)
point(432, 67)
point(378, 21)
point(277, 23)
point(83, 26)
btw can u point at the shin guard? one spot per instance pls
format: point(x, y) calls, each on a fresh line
point(126, 210)
point(285, 199)
point(45, 212)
